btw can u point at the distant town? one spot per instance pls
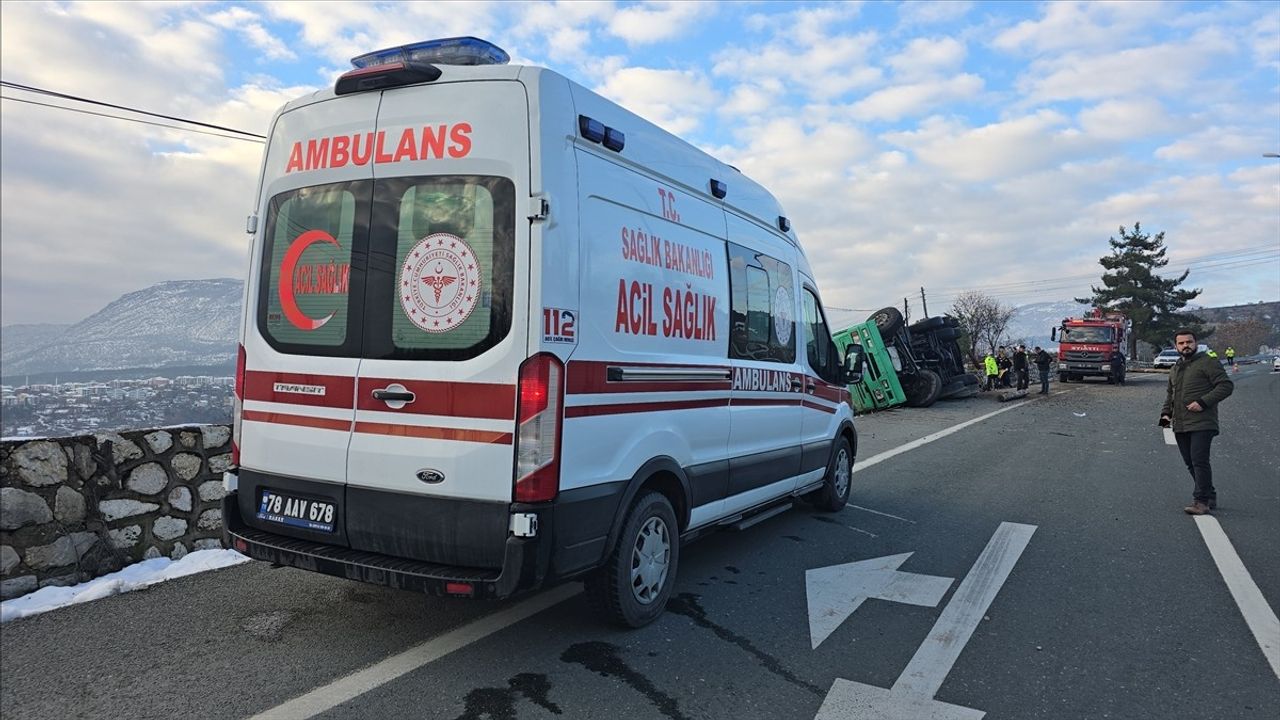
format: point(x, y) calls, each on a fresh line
point(77, 408)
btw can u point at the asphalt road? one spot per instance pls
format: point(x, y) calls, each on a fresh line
point(1115, 608)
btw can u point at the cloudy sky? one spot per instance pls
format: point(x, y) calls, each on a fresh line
point(955, 145)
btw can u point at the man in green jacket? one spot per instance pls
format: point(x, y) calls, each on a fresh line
point(1197, 383)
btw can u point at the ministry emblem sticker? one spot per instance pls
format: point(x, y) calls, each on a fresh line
point(439, 283)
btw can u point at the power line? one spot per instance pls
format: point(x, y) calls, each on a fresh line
point(129, 119)
point(75, 98)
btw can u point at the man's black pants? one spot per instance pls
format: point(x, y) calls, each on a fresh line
point(1194, 447)
point(1022, 378)
point(1044, 380)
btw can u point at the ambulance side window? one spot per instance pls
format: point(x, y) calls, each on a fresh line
point(761, 298)
point(819, 346)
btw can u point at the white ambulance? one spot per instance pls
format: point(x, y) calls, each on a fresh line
point(499, 331)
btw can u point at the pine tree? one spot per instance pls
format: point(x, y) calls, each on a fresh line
point(1132, 286)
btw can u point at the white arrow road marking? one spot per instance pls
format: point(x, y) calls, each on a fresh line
point(1257, 613)
point(835, 592)
point(911, 697)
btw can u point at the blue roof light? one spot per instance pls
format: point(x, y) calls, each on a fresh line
point(446, 51)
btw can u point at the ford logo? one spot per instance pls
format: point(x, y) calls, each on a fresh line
point(430, 475)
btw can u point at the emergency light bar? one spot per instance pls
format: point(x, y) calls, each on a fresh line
point(446, 51)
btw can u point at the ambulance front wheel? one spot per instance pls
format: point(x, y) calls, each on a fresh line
point(632, 587)
point(835, 489)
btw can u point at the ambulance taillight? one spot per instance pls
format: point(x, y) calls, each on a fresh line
point(237, 408)
point(539, 411)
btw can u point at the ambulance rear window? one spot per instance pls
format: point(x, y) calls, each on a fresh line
point(453, 240)
point(307, 279)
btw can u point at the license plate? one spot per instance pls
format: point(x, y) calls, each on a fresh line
point(294, 511)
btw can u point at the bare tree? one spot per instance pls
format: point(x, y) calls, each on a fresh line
point(984, 321)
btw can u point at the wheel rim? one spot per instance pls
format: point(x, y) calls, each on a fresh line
point(842, 473)
point(650, 560)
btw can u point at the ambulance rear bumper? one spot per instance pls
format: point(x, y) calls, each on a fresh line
point(519, 568)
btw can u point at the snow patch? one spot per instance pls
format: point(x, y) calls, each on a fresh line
point(135, 577)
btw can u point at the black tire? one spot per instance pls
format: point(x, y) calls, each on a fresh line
point(960, 386)
point(631, 589)
point(946, 334)
point(953, 322)
point(925, 389)
point(839, 481)
point(888, 321)
point(928, 324)
point(1064, 378)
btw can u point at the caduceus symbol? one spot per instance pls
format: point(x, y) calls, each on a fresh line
point(439, 281)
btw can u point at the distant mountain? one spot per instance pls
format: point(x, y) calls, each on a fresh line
point(1031, 322)
point(17, 340)
point(180, 323)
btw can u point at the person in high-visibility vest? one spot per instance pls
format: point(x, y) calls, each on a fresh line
point(993, 370)
point(1231, 355)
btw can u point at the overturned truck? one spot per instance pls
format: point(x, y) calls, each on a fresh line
point(915, 364)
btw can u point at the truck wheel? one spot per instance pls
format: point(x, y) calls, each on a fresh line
point(888, 321)
point(946, 334)
point(960, 386)
point(928, 324)
point(835, 490)
point(1063, 377)
point(632, 587)
point(925, 390)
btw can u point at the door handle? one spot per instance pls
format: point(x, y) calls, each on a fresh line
point(393, 395)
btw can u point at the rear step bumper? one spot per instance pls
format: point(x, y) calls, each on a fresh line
point(518, 569)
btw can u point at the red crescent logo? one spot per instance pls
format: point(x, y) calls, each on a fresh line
point(287, 302)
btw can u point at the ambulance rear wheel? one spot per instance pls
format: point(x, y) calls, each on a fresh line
point(835, 490)
point(633, 586)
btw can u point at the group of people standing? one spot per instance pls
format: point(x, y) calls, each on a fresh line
point(1011, 369)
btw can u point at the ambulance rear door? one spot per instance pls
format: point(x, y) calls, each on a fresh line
point(431, 458)
point(303, 329)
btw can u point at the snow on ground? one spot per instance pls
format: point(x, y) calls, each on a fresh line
point(135, 577)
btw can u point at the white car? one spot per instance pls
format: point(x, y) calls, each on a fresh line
point(1275, 364)
point(1166, 359)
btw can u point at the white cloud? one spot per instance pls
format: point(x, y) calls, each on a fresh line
point(928, 12)
point(1168, 70)
point(249, 25)
point(824, 70)
point(673, 99)
point(1128, 119)
point(995, 151)
point(898, 101)
point(657, 20)
point(924, 57)
point(1216, 144)
point(1078, 25)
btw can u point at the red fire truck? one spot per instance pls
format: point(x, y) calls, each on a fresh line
point(1086, 345)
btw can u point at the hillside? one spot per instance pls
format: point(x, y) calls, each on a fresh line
point(187, 323)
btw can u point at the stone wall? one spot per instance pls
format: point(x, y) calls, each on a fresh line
point(72, 509)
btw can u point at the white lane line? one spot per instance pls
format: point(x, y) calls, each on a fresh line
point(876, 459)
point(864, 532)
point(877, 512)
point(938, 653)
point(1257, 613)
point(343, 689)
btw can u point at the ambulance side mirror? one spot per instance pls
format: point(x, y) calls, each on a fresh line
point(1053, 334)
point(852, 367)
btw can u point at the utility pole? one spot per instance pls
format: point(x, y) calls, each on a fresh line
point(923, 302)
